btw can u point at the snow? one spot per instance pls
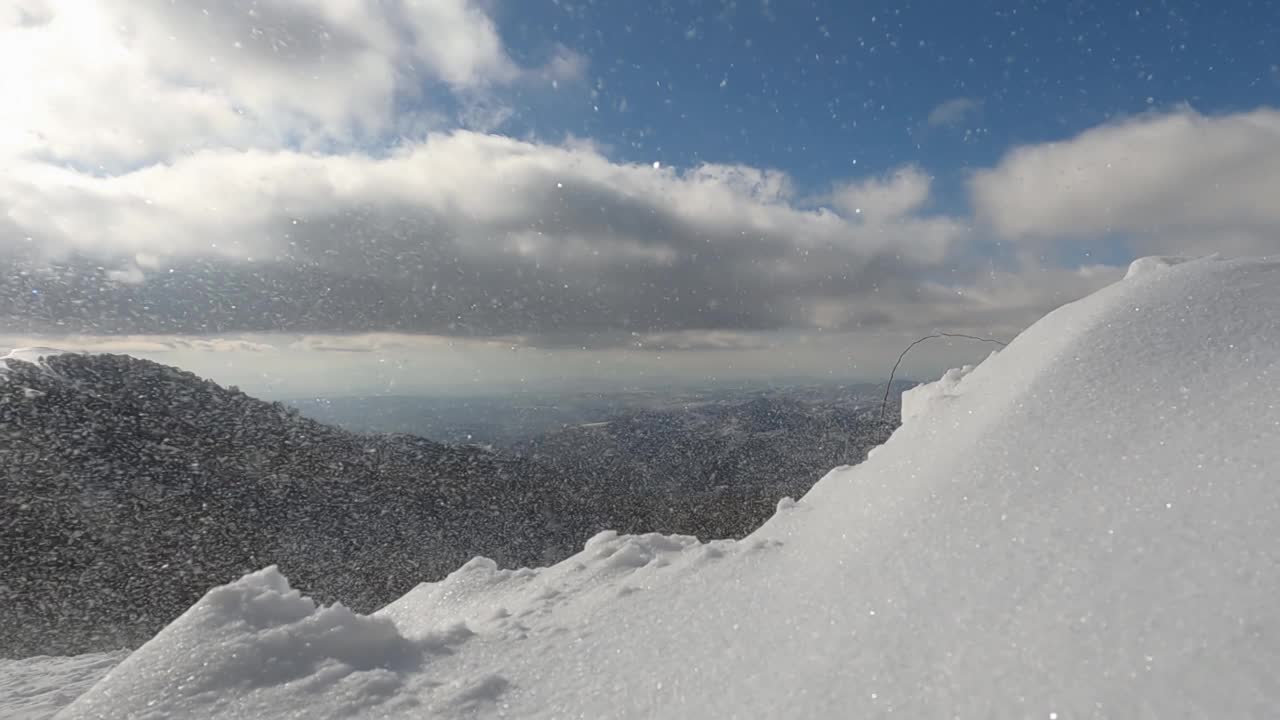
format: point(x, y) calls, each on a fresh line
point(265, 643)
point(923, 399)
point(36, 688)
point(1153, 263)
point(1083, 525)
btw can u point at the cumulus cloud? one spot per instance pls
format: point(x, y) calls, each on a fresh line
point(463, 233)
point(241, 168)
point(1002, 302)
point(1174, 182)
point(884, 199)
point(110, 84)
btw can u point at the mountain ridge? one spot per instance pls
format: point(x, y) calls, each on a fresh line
point(138, 486)
point(135, 486)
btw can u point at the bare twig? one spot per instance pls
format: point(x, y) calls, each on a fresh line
point(889, 386)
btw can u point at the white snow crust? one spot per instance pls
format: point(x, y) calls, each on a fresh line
point(36, 688)
point(921, 400)
point(1085, 525)
point(1154, 263)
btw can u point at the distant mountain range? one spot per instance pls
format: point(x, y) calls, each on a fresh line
point(719, 468)
point(130, 488)
point(509, 421)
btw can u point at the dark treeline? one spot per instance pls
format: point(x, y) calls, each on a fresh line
point(129, 488)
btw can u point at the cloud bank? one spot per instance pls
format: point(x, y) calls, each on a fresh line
point(461, 233)
point(1174, 182)
point(337, 166)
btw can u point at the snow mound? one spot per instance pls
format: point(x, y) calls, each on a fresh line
point(246, 648)
point(515, 604)
point(921, 399)
point(1153, 263)
point(1083, 525)
point(35, 688)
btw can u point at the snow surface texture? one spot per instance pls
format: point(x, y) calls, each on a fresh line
point(1154, 263)
point(922, 399)
point(1084, 525)
point(36, 688)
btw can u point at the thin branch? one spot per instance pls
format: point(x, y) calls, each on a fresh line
point(888, 386)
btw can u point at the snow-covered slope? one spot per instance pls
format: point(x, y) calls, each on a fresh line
point(1084, 525)
point(36, 688)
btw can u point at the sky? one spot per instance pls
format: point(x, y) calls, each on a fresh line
point(331, 197)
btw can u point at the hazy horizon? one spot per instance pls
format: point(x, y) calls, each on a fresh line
point(277, 369)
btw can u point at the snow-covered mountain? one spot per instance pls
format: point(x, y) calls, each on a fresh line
point(1084, 525)
point(130, 488)
point(133, 488)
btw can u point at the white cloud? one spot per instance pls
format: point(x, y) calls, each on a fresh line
point(369, 342)
point(496, 231)
point(500, 194)
point(952, 112)
point(887, 199)
point(694, 340)
point(118, 83)
point(1002, 302)
point(1177, 182)
point(227, 167)
point(141, 344)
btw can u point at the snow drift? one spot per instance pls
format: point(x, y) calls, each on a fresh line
point(35, 688)
point(1084, 525)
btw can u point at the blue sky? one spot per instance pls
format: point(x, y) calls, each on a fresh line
point(496, 193)
point(815, 87)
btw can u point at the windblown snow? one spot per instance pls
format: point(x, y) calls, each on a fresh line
point(1083, 525)
point(36, 688)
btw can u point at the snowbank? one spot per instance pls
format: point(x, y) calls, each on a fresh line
point(922, 399)
point(245, 649)
point(36, 688)
point(1153, 263)
point(1084, 525)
